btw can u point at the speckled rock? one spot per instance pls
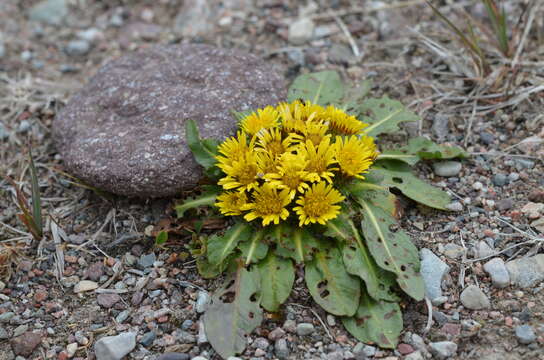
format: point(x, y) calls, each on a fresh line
point(124, 132)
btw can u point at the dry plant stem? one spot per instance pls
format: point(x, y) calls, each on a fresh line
point(429, 315)
point(348, 35)
point(528, 27)
point(358, 10)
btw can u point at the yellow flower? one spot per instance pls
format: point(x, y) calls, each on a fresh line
point(269, 204)
point(315, 131)
point(318, 204)
point(231, 202)
point(291, 174)
point(234, 148)
point(319, 159)
point(266, 163)
point(355, 154)
point(270, 140)
point(296, 114)
point(341, 123)
point(262, 119)
point(241, 175)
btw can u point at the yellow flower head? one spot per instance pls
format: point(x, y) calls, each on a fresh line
point(320, 158)
point(315, 131)
point(241, 175)
point(231, 202)
point(268, 204)
point(270, 140)
point(262, 119)
point(266, 163)
point(295, 115)
point(234, 148)
point(291, 174)
point(341, 123)
point(355, 154)
point(318, 204)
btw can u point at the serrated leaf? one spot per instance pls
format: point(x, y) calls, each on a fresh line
point(358, 261)
point(321, 88)
point(204, 151)
point(398, 175)
point(234, 312)
point(255, 248)
point(384, 115)
point(202, 200)
point(330, 285)
point(298, 245)
point(392, 249)
point(376, 194)
point(277, 278)
point(221, 246)
point(378, 322)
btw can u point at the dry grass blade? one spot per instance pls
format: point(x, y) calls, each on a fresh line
point(498, 20)
point(10, 255)
point(470, 44)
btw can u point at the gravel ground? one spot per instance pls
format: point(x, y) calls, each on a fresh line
point(99, 285)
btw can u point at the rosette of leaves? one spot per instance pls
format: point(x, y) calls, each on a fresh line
point(358, 264)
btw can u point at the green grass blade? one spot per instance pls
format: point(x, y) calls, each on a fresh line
point(36, 199)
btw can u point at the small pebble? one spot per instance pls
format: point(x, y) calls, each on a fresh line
point(525, 334)
point(447, 168)
point(304, 329)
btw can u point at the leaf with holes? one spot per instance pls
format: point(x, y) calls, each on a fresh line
point(392, 249)
point(374, 193)
point(421, 148)
point(234, 312)
point(255, 248)
point(321, 88)
point(339, 228)
point(384, 115)
point(396, 174)
point(378, 322)
point(298, 245)
point(358, 261)
point(277, 278)
point(330, 285)
point(221, 246)
point(207, 199)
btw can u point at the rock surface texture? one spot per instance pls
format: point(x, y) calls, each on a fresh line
point(124, 132)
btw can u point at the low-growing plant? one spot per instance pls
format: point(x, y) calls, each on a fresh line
point(305, 185)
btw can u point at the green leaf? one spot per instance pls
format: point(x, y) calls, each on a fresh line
point(329, 283)
point(384, 115)
point(377, 195)
point(234, 312)
point(358, 261)
point(398, 175)
point(409, 159)
point(277, 278)
point(36, 199)
point(161, 238)
point(204, 151)
point(321, 88)
point(392, 249)
point(254, 249)
point(298, 244)
point(207, 270)
point(378, 322)
point(202, 200)
point(421, 148)
point(219, 247)
point(339, 228)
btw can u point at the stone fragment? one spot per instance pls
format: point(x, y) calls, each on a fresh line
point(115, 347)
point(25, 344)
point(301, 31)
point(124, 132)
point(304, 329)
point(473, 298)
point(497, 270)
point(194, 18)
point(107, 300)
point(77, 48)
point(483, 250)
point(453, 251)
point(85, 285)
point(447, 168)
point(525, 334)
point(202, 301)
point(51, 12)
point(533, 210)
point(526, 272)
point(174, 356)
point(443, 349)
point(281, 349)
point(433, 271)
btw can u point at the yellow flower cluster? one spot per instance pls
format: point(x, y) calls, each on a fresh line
point(284, 160)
